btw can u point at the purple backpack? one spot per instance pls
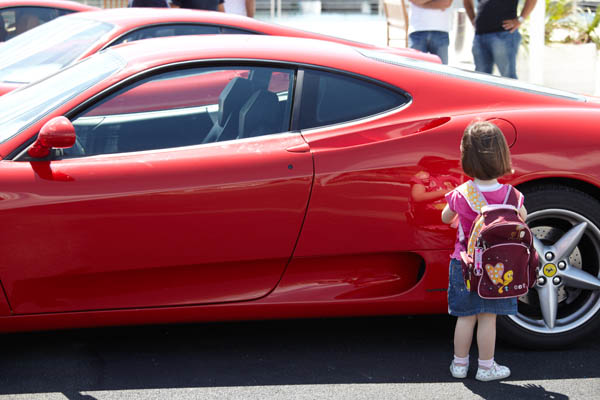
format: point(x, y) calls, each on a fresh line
point(500, 260)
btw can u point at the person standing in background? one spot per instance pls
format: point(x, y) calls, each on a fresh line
point(429, 25)
point(241, 7)
point(213, 5)
point(148, 3)
point(497, 36)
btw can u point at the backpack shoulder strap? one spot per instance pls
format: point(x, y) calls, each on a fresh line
point(473, 195)
point(476, 201)
point(513, 198)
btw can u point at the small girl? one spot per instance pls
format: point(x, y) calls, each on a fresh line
point(485, 157)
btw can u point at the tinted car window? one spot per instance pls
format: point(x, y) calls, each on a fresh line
point(187, 107)
point(174, 30)
point(48, 48)
point(21, 108)
point(16, 20)
point(330, 98)
point(235, 31)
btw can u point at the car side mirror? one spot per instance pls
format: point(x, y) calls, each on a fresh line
point(58, 133)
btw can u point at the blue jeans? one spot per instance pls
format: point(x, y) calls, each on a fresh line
point(498, 48)
point(434, 42)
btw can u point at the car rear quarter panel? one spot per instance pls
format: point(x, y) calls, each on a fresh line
point(557, 142)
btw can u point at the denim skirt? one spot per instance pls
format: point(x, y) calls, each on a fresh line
point(462, 302)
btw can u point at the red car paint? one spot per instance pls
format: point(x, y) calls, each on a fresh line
point(306, 224)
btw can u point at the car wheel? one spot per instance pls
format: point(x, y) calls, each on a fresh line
point(564, 305)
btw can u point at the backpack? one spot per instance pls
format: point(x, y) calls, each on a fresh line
point(500, 260)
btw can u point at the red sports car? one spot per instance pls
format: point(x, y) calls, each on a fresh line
point(228, 177)
point(18, 16)
point(62, 42)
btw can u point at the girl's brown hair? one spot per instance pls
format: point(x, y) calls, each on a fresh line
point(485, 154)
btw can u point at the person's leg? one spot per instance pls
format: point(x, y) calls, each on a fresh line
point(516, 43)
point(482, 56)
point(486, 335)
point(504, 47)
point(464, 305)
point(463, 335)
point(438, 44)
point(418, 41)
point(488, 369)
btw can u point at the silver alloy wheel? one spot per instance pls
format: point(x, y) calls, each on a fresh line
point(567, 295)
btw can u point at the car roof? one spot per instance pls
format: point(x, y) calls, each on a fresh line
point(126, 19)
point(61, 4)
point(149, 53)
point(133, 17)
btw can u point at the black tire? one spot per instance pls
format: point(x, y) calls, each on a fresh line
point(553, 209)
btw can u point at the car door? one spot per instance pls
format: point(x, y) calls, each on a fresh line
point(351, 125)
point(172, 195)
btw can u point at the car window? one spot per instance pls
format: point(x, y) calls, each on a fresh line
point(330, 98)
point(25, 106)
point(187, 107)
point(48, 48)
point(174, 30)
point(166, 30)
point(16, 20)
point(236, 31)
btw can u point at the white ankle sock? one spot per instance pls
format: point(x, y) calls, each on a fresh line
point(461, 360)
point(487, 364)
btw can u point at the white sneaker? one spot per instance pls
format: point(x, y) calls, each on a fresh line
point(459, 371)
point(496, 372)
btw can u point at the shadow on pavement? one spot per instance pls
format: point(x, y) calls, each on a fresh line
point(503, 391)
point(329, 351)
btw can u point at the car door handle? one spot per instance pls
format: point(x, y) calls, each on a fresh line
point(301, 148)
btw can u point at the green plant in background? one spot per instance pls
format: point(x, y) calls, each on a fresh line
point(559, 18)
point(587, 30)
point(568, 23)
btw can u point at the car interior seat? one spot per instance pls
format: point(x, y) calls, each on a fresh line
point(3, 33)
point(25, 22)
point(231, 100)
point(261, 115)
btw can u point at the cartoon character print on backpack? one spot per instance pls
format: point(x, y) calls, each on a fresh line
point(498, 276)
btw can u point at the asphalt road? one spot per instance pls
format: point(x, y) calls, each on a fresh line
point(362, 358)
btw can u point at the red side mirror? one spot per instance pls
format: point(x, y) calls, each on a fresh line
point(57, 133)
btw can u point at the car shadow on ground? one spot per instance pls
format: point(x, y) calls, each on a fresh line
point(328, 351)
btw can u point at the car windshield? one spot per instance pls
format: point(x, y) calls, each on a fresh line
point(23, 107)
point(48, 48)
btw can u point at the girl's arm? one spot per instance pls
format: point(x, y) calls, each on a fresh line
point(419, 193)
point(523, 213)
point(448, 215)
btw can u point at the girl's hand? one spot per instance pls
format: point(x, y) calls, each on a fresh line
point(454, 222)
point(448, 216)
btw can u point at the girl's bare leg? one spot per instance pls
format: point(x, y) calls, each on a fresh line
point(463, 335)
